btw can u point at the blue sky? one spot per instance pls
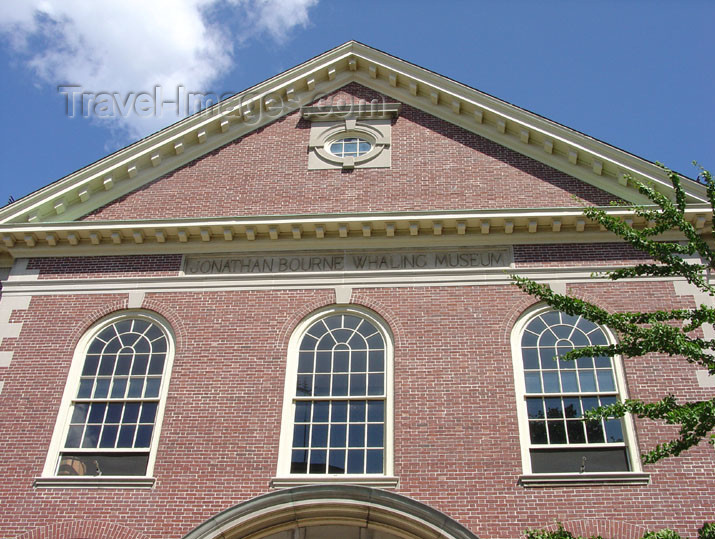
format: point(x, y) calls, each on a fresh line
point(639, 75)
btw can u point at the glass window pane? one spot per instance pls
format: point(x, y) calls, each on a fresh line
point(605, 380)
point(377, 361)
point(317, 460)
point(614, 431)
point(148, 412)
point(338, 435)
point(319, 436)
point(374, 435)
point(157, 364)
point(588, 381)
point(376, 411)
point(375, 384)
point(152, 387)
point(530, 357)
point(119, 388)
point(537, 432)
point(557, 432)
point(357, 411)
point(305, 385)
point(114, 412)
point(91, 436)
point(356, 436)
point(547, 355)
point(572, 407)
point(321, 411)
point(553, 408)
point(594, 430)
point(535, 408)
point(356, 461)
point(305, 362)
point(140, 364)
point(584, 362)
point(302, 411)
point(74, 436)
point(576, 432)
point(79, 413)
point(551, 381)
point(529, 339)
point(101, 389)
point(603, 362)
point(598, 338)
point(357, 384)
point(340, 385)
point(341, 361)
point(136, 386)
point(374, 461)
point(96, 413)
point(322, 361)
point(339, 411)
point(85, 388)
point(131, 412)
point(337, 461)
point(300, 435)
point(533, 382)
point(326, 342)
point(124, 362)
point(90, 365)
point(322, 385)
point(579, 339)
point(126, 436)
point(359, 361)
point(569, 383)
point(299, 462)
point(109, 436)
point(106, 366)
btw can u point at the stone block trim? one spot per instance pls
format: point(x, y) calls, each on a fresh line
point(9, 305)
point(435, 166)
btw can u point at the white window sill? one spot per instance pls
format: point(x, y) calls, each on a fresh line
point(95, 481)
point(364, 480)
point(577, 479)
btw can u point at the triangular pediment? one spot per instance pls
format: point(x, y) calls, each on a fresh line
point(578, 155)
point(53, 216)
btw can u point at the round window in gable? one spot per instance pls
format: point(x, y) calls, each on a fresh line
point(350, 147)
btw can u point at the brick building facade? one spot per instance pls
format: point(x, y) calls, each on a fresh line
point(291, 316)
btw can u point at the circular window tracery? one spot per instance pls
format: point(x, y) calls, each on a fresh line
point(350, 147)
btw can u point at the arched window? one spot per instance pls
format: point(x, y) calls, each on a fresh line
point(114, 399)
point(554, 394)
point(338, 403)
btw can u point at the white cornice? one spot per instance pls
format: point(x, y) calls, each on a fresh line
point(321, 231)
point(555, 145)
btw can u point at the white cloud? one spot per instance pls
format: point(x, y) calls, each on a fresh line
point(124, 47)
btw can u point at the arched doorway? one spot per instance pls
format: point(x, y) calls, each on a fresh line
point(331, 512)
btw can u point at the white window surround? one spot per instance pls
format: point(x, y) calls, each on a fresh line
point(372, 123)
point(49, 476)
point(531, 479)
point(284, 478)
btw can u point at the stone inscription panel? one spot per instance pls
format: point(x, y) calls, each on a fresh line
point(346, 261)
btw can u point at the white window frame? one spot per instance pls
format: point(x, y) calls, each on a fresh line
point(529, 478)
point(49, 476)
point(371, 122)
point(283, 477)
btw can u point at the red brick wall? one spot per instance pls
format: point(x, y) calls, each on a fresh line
point(435, 166)
point(456, 436)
